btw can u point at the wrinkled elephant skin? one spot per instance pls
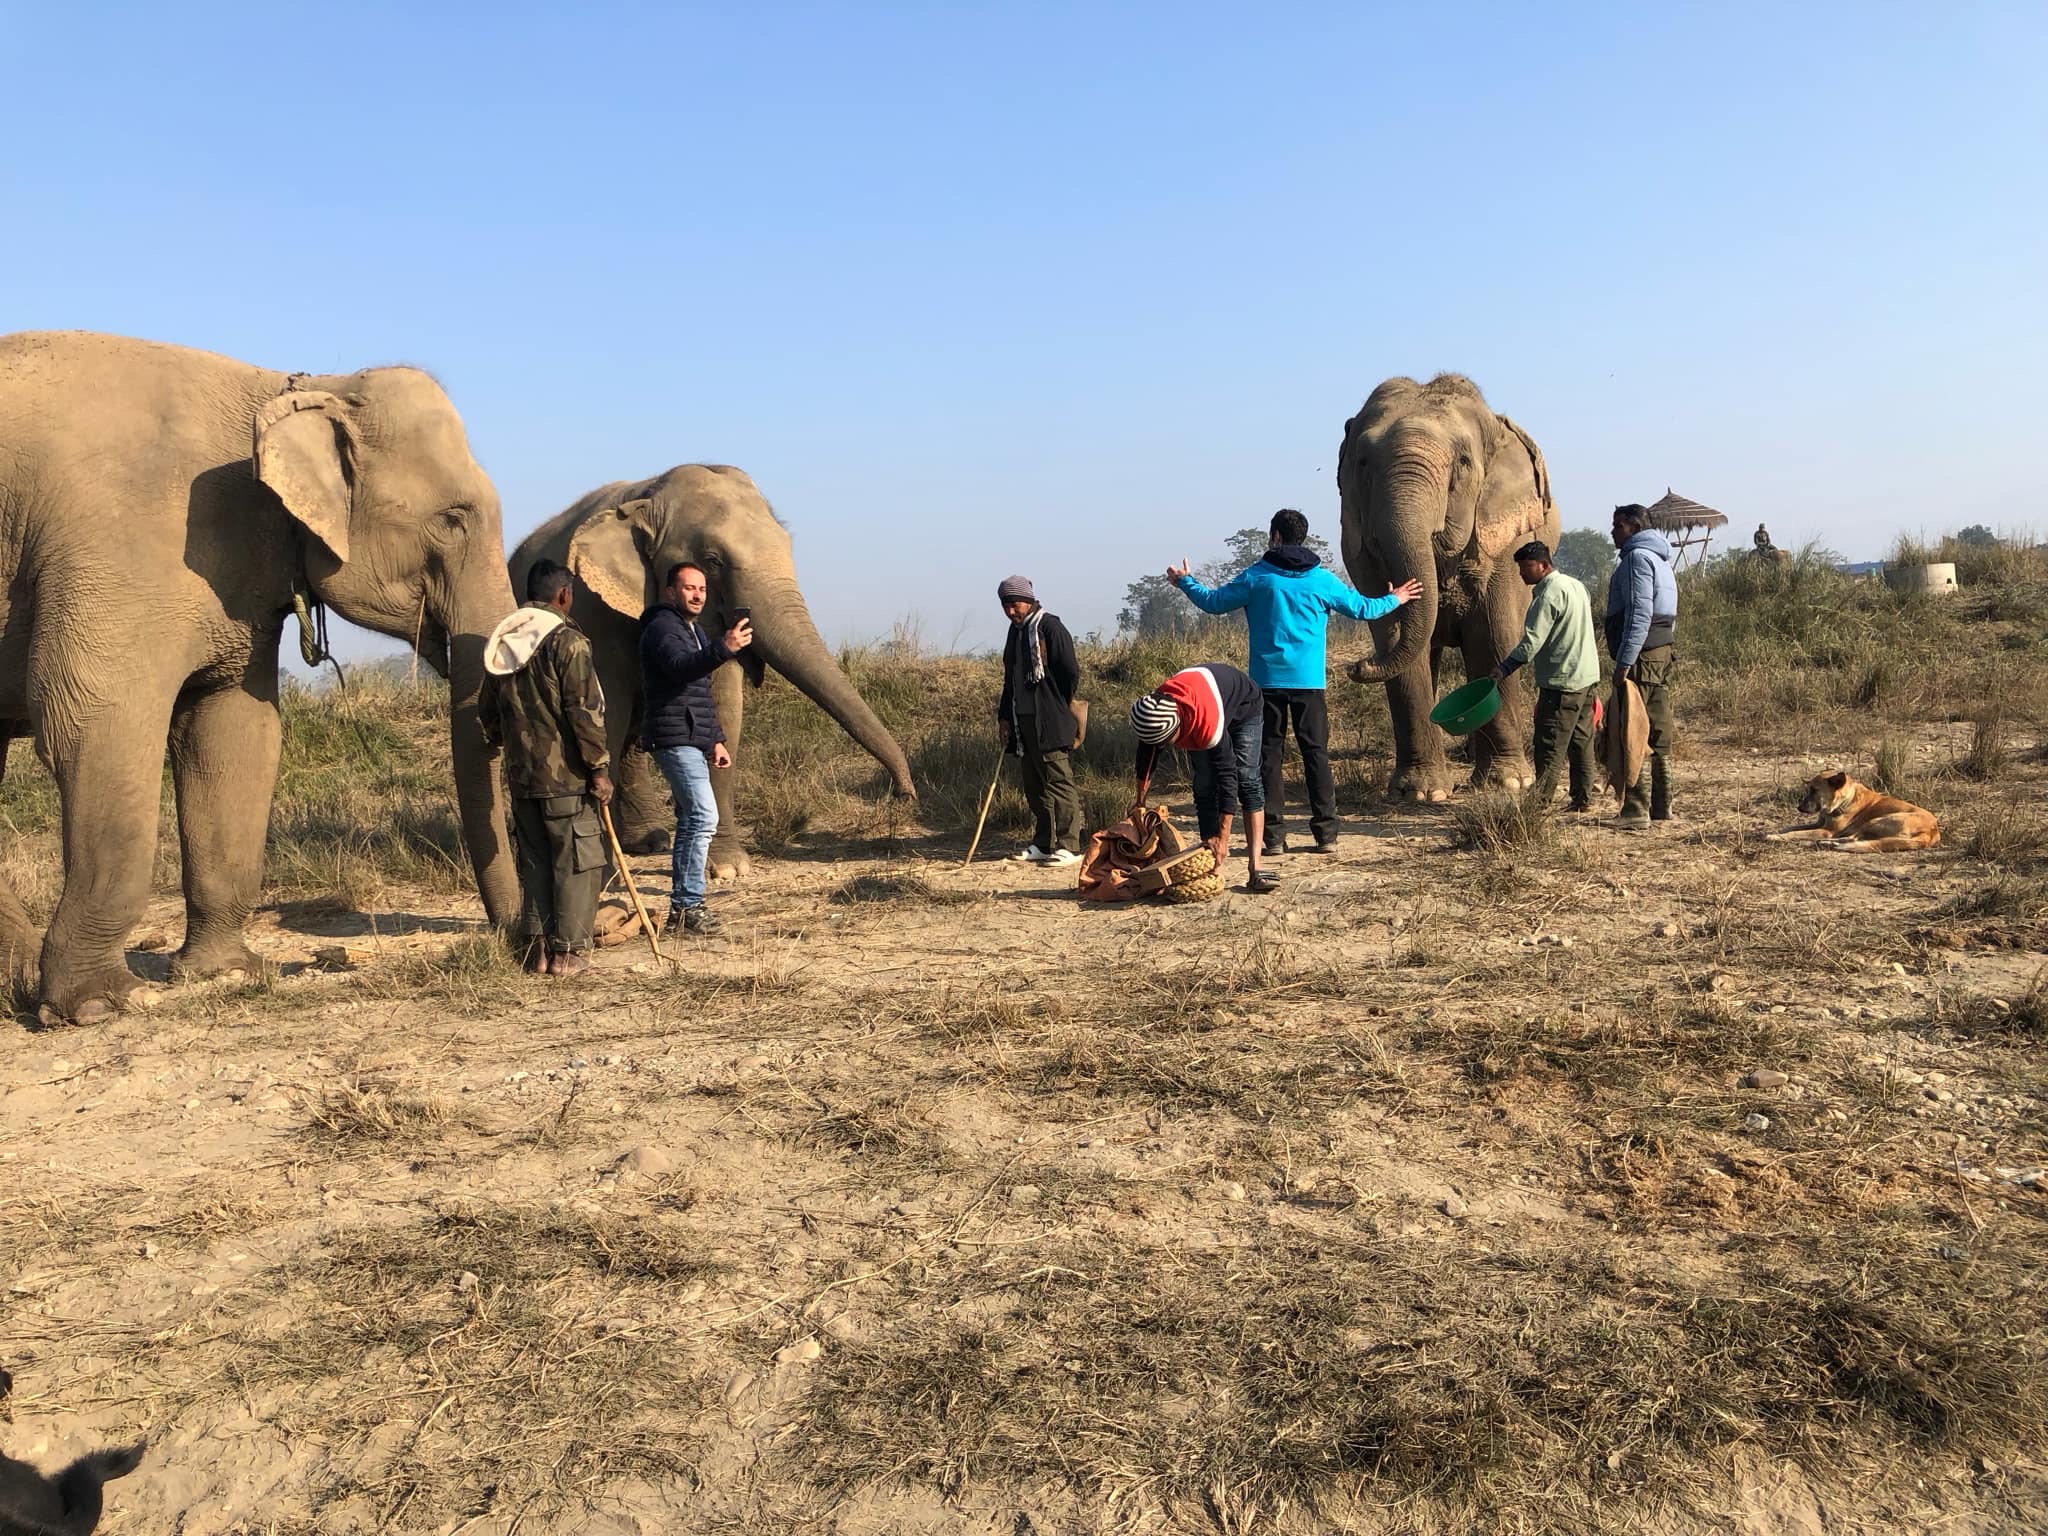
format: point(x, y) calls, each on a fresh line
point(620, 541)
point(1435, 486)
point(161, 506)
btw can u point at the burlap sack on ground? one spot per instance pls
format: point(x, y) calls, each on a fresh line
point(1623, 741)
point(1114, 857)
point(616, 922)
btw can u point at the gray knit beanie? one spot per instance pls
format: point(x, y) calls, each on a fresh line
point(1015, 589)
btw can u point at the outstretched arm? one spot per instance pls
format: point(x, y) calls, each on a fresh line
point(1342, 599)
point(1228, 598)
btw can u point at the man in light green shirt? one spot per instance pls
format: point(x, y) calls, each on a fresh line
point(1557, 648)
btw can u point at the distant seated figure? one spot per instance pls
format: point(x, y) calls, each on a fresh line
point(1766, 550)
point(1762, 540)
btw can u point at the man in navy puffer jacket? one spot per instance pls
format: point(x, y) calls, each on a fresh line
point(1289, 597)
point(679, 727)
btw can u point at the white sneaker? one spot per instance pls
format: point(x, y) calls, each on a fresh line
point(1061, 857)
point(1032, 855)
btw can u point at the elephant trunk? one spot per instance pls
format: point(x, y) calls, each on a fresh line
point(479, 788)
point(790, 643)
point(1414, 502)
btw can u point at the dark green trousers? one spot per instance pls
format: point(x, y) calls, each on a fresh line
point(1050, 791)
point(561, 869)
point(1651, 793)
point(1564, 734)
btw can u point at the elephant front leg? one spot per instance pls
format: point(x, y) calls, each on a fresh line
point(1500, 749)
point(224, 749)
point(641, 807)
point(108, 767)
point(1421, 770)
point(728, 858)
point(17, 933)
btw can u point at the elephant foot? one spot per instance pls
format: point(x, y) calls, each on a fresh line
point(1424, 783)
point(94, 997)
point(203, 961)
point(652, 840)
point(728, 859)
point(1512, 776)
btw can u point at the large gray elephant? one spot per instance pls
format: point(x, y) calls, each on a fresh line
point(620, 540)
point(1435, 486)
point(159, 507)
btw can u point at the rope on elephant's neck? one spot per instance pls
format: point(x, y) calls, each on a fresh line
point(312, 617)
point(313, 649)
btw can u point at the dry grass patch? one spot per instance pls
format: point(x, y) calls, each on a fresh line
point(889, 1137)
point(2012, 833)
point(369, 1109)
point(477, 1363)
point(898, 890)
point(1603, 1050)
point(1331, 1378)
point(1501, 822)
point(105, 1221)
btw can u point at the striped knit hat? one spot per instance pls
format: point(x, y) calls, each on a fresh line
point(1154, 718)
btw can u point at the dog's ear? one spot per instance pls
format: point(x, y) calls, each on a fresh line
point(1837, 780)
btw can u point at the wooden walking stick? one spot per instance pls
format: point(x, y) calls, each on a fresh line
point(604, 813)
point(987, 800)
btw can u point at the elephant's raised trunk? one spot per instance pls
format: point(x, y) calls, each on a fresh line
point(479, 792)
point(789, 642)
point(1403, 542)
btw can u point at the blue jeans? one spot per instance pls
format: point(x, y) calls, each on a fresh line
point(689, 781)
point(1242, 743)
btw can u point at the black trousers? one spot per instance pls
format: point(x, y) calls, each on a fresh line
point(1309, 713)
point(1564, 741)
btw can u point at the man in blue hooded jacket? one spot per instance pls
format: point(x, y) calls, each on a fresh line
point(1289, 596)
point(1641, 624)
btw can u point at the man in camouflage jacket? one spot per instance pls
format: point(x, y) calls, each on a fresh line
point(542, 704)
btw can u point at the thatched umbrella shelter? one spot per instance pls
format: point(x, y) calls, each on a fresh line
point(1686, 523)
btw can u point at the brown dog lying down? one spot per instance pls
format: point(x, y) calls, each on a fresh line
point(1856, 819)
point(65, 1505)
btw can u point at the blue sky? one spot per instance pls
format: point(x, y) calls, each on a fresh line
point(1075, 290)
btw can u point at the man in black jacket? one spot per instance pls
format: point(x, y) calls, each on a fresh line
point(1037, 722)
point(680, 729)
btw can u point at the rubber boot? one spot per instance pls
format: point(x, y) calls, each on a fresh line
point(1635, 810)
point(1660, 786)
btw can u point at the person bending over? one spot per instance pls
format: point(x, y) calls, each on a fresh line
point(1212, 712)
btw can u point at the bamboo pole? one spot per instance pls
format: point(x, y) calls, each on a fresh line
point(987, 800)
point(604, 813)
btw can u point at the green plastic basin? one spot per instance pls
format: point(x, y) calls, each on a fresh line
point(1464, 710)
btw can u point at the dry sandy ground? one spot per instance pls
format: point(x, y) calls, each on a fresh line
point(426, 1246)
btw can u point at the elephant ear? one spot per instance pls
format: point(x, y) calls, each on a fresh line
point(303, 451)
point(1504, 524)
point(608, 554)
point(1535, 460)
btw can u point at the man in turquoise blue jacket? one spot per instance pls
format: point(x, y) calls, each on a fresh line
point(1289, 597)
